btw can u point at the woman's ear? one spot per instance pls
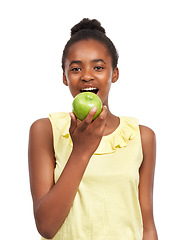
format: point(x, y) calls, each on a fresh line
point(115, 75)
point(65, 79)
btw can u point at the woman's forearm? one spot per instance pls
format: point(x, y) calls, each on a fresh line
point(52, 210)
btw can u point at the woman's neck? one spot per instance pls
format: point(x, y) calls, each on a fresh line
point(112, 122)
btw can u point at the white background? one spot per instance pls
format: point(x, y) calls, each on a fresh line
point(150, 38)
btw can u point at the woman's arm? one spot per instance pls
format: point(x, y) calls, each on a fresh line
point(52, 202)
point(146, 182)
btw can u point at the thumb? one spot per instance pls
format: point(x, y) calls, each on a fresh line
point(73, 123)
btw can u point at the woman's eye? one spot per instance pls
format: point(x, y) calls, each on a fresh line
point(98, 68)
point(76, 69)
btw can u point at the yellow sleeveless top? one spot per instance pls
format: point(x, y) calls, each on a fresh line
point(106, 206)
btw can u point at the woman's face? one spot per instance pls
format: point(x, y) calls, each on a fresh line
point(88, 67)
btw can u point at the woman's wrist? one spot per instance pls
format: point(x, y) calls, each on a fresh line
point(80, 156)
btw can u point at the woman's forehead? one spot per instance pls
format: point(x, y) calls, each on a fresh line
point(90, 48)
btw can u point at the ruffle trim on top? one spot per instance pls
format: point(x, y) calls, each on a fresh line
point(126, 131)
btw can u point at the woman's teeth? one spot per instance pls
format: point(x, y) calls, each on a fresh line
point(90, 89)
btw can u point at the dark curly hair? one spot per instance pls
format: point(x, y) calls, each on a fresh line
point(90, 29)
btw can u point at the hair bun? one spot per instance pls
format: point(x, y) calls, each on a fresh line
point(86, 23)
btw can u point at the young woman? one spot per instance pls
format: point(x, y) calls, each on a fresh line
point(92, 180)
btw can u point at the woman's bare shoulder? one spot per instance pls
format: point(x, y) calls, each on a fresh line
point(42, 129)
point(146, 132)
point(148, 139)
point(41, 125)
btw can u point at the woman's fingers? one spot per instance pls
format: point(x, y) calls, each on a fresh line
point(88, 120)
point(98, 121)
point(86, 135)
point(73, 123)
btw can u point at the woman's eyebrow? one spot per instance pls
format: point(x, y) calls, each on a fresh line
point(99, 60)
point(93, 61)
point(75, 61)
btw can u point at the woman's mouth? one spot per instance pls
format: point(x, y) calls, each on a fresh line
point(90, 89)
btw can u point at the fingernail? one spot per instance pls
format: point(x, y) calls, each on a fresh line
point(72, 115)
point(94, 109)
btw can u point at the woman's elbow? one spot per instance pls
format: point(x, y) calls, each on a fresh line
point(45, 225)
point(45, 231)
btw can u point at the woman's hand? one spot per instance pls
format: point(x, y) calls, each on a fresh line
point(86, 135)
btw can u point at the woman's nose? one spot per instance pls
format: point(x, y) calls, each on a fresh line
point(87, 75)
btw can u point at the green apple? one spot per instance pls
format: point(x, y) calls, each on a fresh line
point(84, 102)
